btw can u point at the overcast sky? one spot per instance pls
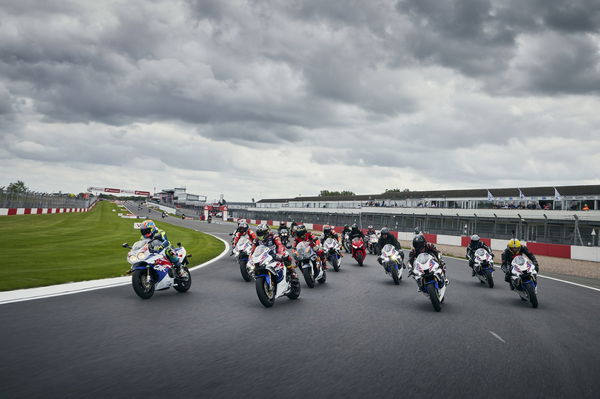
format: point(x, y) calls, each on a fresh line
point(259, 99)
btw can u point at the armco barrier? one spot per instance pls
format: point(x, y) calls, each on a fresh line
point(553, 250)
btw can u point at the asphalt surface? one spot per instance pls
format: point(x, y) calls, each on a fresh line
point(356, 336)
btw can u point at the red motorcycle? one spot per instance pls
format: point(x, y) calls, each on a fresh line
point(359, 251)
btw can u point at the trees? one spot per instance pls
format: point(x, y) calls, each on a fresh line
point(17, 187)
point(327, 193)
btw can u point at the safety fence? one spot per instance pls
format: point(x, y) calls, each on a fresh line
point(26, 200)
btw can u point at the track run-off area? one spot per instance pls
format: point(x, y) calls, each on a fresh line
point(358, 335)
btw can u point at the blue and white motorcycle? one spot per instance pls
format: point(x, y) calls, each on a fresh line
point(523, 279)
point(332, 253)
point(483, 266)
point(430, 278)
point(152, 271)
point(392, 262)
point(273, 279)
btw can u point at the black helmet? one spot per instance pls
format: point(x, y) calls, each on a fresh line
point(243, 227)
point(300, 230)
point(354, 227)
point(384, 231)
point(419, 242)
point(327, 229)
point(262, 230)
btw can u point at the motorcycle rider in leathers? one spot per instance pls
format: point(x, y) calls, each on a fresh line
point(243, 230)
point(149, 231)
point(474, 245)
point(303, 235)
point(514, 249)
point(420, 245)
point(266, 237)
point(387, 238)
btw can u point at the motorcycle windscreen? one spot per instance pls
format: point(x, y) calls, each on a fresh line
point(261, 255)
point(388, 250)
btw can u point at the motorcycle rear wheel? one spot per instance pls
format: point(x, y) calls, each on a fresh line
point(433, 295)
point(184, 283)
point(138, 282)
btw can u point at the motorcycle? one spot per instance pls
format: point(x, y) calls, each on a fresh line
point(284, 236)
point(484, 267)
point(332, 253)
point(358, 250)
point(372, 243)
point(310, 264)
point(430, 278)
point(152, 271)
point(273, 279)
point(346, 243)
point(524, 279)
point(242, 253)
point(392, 262)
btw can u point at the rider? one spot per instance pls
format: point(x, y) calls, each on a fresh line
point(420, 245)
point(387, 238)
point(242, 231)
point(370, 230)
point(328, 232)
point(266, 237)
point(149, 230)
point(356, 233)
point(282, 225)
point(514, 249)
point(474, 245)
point(303, 235)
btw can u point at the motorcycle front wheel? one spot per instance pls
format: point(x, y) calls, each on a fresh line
point(530, 289)
point(394, 270)
point(244, 269)
point(266, 293)
point(433, 295)
point(140, 284)
point(308, 277)
point(489, 278)
point(334, 260)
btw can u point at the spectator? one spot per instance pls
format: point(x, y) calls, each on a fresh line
point(585, 207)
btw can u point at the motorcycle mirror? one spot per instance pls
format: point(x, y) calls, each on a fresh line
point(125, 245)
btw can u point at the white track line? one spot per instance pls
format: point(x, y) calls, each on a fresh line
point(497, 336)
point(540, 275)
point(29, 294)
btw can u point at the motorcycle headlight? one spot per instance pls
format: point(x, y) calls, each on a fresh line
point(132, 258)
point(141, 255)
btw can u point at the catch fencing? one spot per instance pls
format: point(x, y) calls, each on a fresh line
point(10, 199)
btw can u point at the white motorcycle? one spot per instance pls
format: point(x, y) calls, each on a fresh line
point(524, 279)
point(332, 253)
point(310, 264)
point(151, 269)
point(242, 253)
point(392, 262)
point(483, 266)
point(430, 278)
point(373, 243)
point(273, 279)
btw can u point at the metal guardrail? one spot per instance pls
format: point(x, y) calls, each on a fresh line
point(41, 200)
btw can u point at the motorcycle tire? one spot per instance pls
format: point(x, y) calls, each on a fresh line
point(530, 289)
point(138, 279)
point(336, 263)
point(244, 270)
point(489, 278)
point(360, 259)
point(395, 275)
point(184, 283)
point(295, 291)
point(308, 277)
point(435, 300)
point(261, 291)
point(323, 279)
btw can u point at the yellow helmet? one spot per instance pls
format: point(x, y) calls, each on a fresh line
point(514, 245)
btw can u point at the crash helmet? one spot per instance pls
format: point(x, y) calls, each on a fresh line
point(384, 232)
point(243, 227)
point(327, 230)
point(419, 242)
point(262, 231)
point(369, 227)
point(474, 238)
point(354, 227)
point(283, 224)
point(514, 245)
point(148, 228)
point(300, 231)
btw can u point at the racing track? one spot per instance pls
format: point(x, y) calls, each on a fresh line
point(357, 336)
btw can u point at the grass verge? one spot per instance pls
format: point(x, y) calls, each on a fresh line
point(40, 250)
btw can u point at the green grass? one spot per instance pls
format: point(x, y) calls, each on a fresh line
point(40, 250)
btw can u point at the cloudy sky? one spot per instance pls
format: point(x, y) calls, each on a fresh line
point(284, 97)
